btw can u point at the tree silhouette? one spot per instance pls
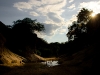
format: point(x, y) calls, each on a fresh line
point(78, 28)
point(23, 36)
point(93, 28)
point(78, 31)
point(84, 15)
point(29, 25)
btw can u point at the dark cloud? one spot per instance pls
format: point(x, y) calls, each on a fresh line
point(50, 29)
point(53, 17)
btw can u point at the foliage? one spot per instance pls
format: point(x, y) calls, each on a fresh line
point(79, 28)
point(31, 25)
point(84, 32)
point(84, 15)
point(76, 30)
point(23, 37)
point(79, 32)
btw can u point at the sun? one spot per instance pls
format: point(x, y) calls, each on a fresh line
point(93, 14)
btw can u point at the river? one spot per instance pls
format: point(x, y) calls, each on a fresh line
point(50, 63)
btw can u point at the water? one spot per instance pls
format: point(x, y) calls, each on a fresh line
point(50, 63)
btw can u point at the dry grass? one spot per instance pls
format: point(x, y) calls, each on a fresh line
point(35, 57)
point(9, 58)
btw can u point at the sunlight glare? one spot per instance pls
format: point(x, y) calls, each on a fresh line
point(92, 5)
point(93, 14)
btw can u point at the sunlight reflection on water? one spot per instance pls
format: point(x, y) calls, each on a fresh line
point(50, 63)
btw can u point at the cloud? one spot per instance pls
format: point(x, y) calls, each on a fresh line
point(93, 5)
point(50, 30)
point(71, 1)
point(41, 5)
point(69, 22)
point(22, 5)
point(74, 18)
point(43, 2)
point(34, 13)
point(62, 30)
point(50, 9)
point(56, 8)
point(54, 17)
point(72, 6)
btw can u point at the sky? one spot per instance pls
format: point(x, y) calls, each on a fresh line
point(55, 15)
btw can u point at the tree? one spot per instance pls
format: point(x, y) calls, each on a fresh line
point(29, 25)
point(93, 28)
point(84, 15)
point(78, 28)
point(77, 32)
point(23, 34)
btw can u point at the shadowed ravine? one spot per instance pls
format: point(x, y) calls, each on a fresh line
point(22, 52)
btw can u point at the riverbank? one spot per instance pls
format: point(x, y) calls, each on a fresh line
point(83, 62)
point(34, 69)
point(40, 69)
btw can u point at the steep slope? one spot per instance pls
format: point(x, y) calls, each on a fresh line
point(9, 58)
